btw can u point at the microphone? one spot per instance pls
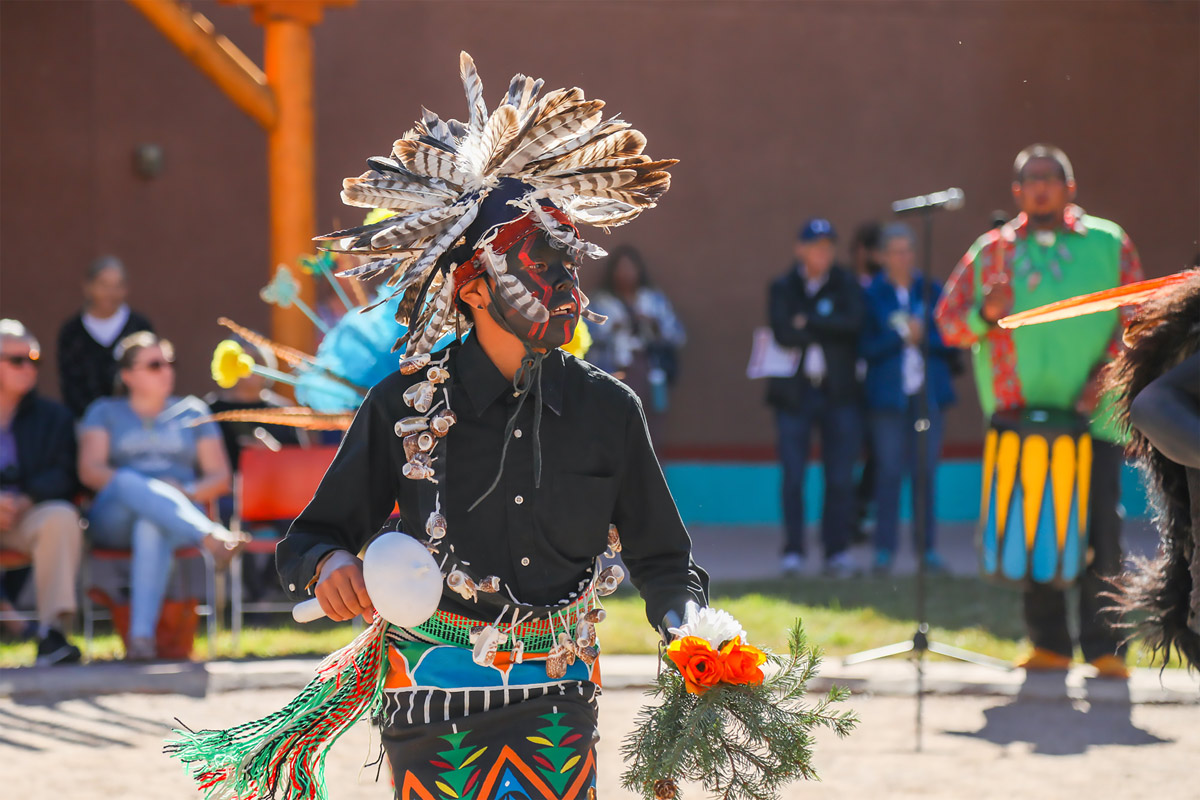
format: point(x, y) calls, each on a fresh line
point(950, 200)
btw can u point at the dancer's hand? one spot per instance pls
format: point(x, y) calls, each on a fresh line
point(341, 591)
point(997, 299)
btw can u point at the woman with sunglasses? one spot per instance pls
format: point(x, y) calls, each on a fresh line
point(152, 467)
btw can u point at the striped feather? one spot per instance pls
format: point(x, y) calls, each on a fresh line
point(549, 132)
point(474, 89)
point(284, 353)
point(420, 225)
point(512, 291)
point(442, 303)
point(622, 143)
point(479, 153)
point(296, 417)
point(585, 137)
point(425, 159)
point(373, 268)
point(587, 184)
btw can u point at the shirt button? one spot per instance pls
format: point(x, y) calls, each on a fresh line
point(524, 562)
point(291, 587)
point(518, 499)
point(517, 433)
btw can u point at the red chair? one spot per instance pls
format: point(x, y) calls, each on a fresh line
point(270, 486)
point(10, 560)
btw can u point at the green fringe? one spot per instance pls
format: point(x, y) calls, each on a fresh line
point(282, 755)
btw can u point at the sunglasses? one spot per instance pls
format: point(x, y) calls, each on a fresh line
point(154, 366)
point(21, 361)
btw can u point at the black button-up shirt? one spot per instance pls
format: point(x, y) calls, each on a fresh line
point(598, 467)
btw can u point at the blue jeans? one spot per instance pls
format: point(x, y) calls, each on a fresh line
point(894, 451)
point(153, 519)
point(840, 428)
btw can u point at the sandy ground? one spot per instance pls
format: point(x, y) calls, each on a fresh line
point(975, 747)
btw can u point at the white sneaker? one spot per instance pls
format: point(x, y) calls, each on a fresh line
point(792, 564)
point(840, 566)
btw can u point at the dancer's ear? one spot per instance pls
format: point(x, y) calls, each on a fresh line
point(475, 296)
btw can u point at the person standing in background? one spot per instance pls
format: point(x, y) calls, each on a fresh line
point(897, 322)
point(640, 342)
point(816, 307)
point(1052, 250)
point(86, 368)
point(864, 260)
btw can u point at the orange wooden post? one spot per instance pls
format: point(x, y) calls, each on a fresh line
point(291, 167)
point(283, 106)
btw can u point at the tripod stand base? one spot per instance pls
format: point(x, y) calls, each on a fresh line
point(920, 644)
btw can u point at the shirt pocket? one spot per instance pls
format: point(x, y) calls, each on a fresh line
point(576, 512)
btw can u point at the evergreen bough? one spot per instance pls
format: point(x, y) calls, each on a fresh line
point(739, 742)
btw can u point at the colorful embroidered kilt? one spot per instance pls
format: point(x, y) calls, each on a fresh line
point(454, 729)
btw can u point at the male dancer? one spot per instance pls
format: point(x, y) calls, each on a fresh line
point(1051, 251)
point(516, 488)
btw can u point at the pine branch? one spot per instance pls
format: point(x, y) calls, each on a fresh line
point(739, 742)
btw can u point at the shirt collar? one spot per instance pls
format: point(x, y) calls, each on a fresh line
point(484, 384)
point(1072, 221)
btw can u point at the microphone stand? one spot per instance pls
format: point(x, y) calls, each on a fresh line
point(920, 642)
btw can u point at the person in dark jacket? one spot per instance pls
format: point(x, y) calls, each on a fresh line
point(816, 307)
point(86, 368)
point(897, 322)
point(37, 483)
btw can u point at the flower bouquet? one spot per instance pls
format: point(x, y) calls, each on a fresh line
point(724, 722)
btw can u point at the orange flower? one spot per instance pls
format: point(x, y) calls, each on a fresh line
point(742, 663)
point(699, 664)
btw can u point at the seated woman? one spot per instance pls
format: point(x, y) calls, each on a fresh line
point(151, 469)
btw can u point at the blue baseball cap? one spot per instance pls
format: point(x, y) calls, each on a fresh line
point(817, 228)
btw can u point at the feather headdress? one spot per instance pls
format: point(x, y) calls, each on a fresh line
point(552, 161)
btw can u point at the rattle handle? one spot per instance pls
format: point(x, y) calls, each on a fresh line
point(308, 611)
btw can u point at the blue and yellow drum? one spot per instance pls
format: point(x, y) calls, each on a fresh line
point(1037, 468)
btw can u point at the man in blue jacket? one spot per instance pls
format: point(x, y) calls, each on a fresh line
point(816, 307)
point(897, 322)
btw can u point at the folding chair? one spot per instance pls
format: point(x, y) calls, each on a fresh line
point(209, 609)
point(270, 486)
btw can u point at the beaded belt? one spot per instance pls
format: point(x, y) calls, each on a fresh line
point(539, 635)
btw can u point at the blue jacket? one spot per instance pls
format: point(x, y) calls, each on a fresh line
point(883, 348)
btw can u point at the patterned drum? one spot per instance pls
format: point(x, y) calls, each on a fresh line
point(1037, 468)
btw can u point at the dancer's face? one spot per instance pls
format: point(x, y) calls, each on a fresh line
point(551, 277)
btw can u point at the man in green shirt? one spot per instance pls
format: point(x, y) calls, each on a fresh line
point(1051, 251)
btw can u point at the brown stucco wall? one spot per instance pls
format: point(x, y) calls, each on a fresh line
point(778, 111)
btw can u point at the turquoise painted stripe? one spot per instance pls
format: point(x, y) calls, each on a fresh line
point(740, 493)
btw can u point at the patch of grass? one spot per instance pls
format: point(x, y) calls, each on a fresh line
point(844, 616)
point(839, 616)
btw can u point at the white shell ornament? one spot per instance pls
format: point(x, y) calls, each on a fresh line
point(419, 468)
point(458, 582)
point(610, 578)
point(402, 578)
point(412, 364)
point(518, 651)
point(411, 425)
point(487, 641)
point(435, 526)
point(437, 375)
point(490, 584)
point(441, 422)
point(419, 396)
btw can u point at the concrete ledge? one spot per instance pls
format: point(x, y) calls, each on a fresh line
point(886, 677)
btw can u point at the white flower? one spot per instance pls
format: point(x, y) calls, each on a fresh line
point(711, 624)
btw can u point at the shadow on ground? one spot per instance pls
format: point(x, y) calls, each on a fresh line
point(1061, 728)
